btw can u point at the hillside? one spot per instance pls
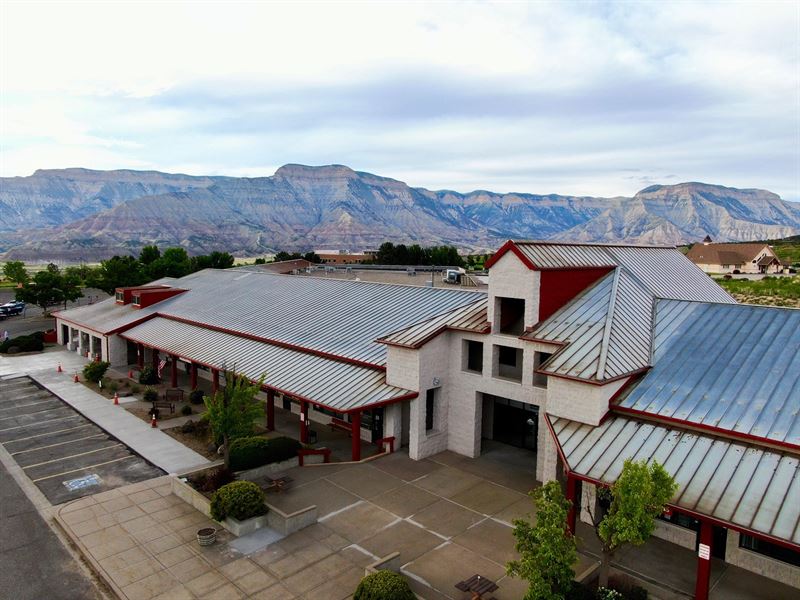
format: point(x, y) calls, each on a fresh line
point(79, 214)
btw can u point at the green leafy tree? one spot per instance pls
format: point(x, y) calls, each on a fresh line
point(15, 271)
point(386, 254)
point(312, 257)
point(149, 254)
point(174, 262)
point(232, 410)
point(260, 261)
point(118, 271)
point(547, 548)
point(215, 260)
point(639, 495)
point(50, 287)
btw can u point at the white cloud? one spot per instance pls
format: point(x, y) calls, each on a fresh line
point(540, 97)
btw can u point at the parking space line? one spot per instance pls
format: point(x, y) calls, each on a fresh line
point(63, 458)
point(108, 462)
point(35, 412)
point(88, 437)
point(26, 405)
point(30, 437)
point(40, 422)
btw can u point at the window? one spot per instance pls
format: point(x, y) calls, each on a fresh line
point(769, 549)
point(430, 406)
point(136, 299)
point(473, 356)
point(120, 296)
point(508, 363)
point(539, 358)
point(511, 315)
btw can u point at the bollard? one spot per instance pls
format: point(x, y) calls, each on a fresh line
point(75, 379)
point(153, 422)
point(116, 399)
point(59, 369)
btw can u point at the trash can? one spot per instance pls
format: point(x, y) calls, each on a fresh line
point(312, 436)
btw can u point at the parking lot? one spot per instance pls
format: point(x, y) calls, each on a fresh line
point(63, 453)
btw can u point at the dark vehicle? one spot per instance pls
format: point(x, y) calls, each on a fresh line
point(12, 308)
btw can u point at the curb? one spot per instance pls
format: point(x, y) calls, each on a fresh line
point(98, 571)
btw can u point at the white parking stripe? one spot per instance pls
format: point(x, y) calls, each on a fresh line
point(62, 458)
point(88, 437)
point(30, 437)
point(35, 412)
point(26, 405)
point(108, 462)
point(40, 422)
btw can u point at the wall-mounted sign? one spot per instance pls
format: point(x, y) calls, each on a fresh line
point(704, 551)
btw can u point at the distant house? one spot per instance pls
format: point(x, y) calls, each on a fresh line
point(728, 258)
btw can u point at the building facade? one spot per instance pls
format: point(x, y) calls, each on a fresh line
point(735, 258)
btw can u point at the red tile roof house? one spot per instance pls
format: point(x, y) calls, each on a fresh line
point(727, 258)
point(581, 355)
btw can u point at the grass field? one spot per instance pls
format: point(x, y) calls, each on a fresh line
point(774, 291)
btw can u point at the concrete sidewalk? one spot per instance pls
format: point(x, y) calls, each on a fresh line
point(152, 444)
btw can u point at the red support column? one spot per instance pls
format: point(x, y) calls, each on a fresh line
point(140, 356)
point(155, 360)
point(214, 380)
point(194, 376)
point(174, 371)
point(304, 422)
point(270, 410)
point(355, 432)
point(704, 561)
point(572, 496)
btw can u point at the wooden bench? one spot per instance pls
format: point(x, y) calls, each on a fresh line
point(341, 425)
point(158, 404)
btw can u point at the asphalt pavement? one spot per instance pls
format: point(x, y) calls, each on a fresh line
point(33, 319)
point(33, 562)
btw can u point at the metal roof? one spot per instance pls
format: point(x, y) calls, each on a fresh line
point(729, 366)
point(753, 487)
point(469, 318)
point(338, 317)
point(335, 384)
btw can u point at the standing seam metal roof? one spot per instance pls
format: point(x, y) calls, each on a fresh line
point(469, 318)
point(335, 384)
point(753, 487)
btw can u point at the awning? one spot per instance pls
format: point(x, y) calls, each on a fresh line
point(334, 384)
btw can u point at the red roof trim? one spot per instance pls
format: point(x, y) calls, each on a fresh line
point(727, 433)
point(510, 245)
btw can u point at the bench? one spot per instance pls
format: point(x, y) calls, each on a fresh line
point(173, 395)
point(341, 425)
point(158, 404)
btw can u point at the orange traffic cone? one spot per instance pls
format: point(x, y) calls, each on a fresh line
point(130, 374)
point(59, 369)
point(116, 399)
point(153, 422)
point(75, 379)
point(96, 358)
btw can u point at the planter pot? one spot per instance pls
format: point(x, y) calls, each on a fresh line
point(206, 536)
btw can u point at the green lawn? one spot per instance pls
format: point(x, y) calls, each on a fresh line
point(777, 291)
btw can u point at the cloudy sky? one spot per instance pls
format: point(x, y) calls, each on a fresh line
point(568, 97)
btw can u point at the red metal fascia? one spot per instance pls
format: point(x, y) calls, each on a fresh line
point(509, 245)
point(593, 381)
point(558, 444)
point(409, 396)
point(278, 343)
point(652, 417)
point(613, 399)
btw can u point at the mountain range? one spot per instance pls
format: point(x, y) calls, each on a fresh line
point(81, 214)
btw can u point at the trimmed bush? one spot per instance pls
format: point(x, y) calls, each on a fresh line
point(23, 343)
point(148, 376)
point(186, 410)
point(94, 371)
point(240, 500)
point(196, 396)
point(251, 452)
point(150, 395)
point(212, 480)
point(580, 591)
point(384, 585)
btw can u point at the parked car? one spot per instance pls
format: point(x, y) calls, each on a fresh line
point(12, 308)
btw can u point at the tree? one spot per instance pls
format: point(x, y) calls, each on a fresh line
point(637, 498)
point(174, 262)
point(312, 257)
point(260, 261)
point(215, 260)
point(118, 271)
point(547, 548)
point(14, 270)
point(149, 254)
point(50, 287)
point(385, 254)
point(232, 410)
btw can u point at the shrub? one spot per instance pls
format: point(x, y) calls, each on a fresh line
point(189, 427)
point(23, 343)
point(384, 585)
point(252, 452)
point(196, 396)
point(211, 481)
point(148, 376)
point(113, 386)
point(626, 586)
point(604, 593)
point(186, 410)
point(135, 389)
point(580, 591)
point(94, 371)
point(240, 500)
point(150, 395)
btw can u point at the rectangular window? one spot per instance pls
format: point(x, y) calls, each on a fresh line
point(539, 358)
point(511, 317)
point(120, 296)
point(430, 406)
point(769, 549)
point(473, 356)
point(508, 363)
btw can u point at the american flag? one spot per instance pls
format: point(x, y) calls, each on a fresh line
point(161, 366)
